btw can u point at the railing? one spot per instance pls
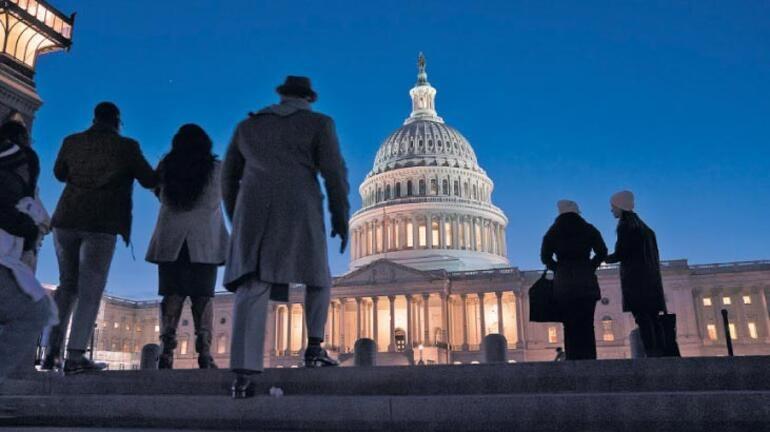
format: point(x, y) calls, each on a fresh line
point(428, 199)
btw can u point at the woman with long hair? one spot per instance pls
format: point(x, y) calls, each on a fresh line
point(190, 239)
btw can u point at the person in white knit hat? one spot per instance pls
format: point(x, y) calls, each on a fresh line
point(637, 252)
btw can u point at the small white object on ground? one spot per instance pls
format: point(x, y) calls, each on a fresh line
point(276, 391)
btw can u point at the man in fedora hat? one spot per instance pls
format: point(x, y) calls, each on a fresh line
point(274, 201)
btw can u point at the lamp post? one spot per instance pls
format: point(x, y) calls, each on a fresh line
point(421, 347)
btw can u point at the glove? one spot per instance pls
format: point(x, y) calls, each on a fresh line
point(340, 228)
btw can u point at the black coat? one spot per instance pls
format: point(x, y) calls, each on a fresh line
point(572, 239)
point(19, 169)
point(99, 167)
point(637, 252)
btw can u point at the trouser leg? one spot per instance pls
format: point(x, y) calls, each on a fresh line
point(170, 312)
point(317, 310)
point(646, 322)
point(21, 320)
point(67, 244)
point(95, 258)
point(579, 335)
point(203, 317)
point(249, 319)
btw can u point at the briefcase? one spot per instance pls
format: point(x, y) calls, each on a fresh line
point(542, 304)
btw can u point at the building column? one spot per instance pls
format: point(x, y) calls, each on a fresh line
point(385, 234)
point(334, 326)
point(426, 318)
point(358, 318)
point(392, 345)
point(342, 339)
point(482, 318)
point(473, 234)
point(276, 323)
point(303, 321)
point(408, 322)
point(445, 320)
point(500, 326)
point(463, 298)
point(429, 230)
point(442, 232)
point(289, 309)
point(519, 319)
point(375, 326)
point(765, 312)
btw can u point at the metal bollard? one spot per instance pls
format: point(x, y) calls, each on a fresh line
point(728, 336)
point(495, 348)
point(150, 357)
point(365, 352)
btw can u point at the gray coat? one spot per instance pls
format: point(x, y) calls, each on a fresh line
point(202, 227)
point(272, 195)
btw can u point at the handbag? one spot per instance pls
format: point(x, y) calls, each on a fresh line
point(542, 303)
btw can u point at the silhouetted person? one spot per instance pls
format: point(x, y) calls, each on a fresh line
point(190, 239)
point(637, 252)
point(273, 198)
point(576, 289)
point(25, 307)
point(99, 167)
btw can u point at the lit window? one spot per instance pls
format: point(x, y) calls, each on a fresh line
point(607, 334)
point(552, 336)
point(712, 331)
point(409, 235)
point(138, 328)
point(726, 301)
point(157, 328)
point(753, 330)
point(434, 228)
point(706, 301)
point(422, 235)
point(733, 332)
point(746, 299)
point(183, 346)
point(478, 237)
point(448, 234)
point(116, 325)
point(222, 344)
point(379, 237)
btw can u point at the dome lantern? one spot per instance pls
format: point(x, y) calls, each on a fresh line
point(423, 96)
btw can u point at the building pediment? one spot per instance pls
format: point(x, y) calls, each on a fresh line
point(384, 272)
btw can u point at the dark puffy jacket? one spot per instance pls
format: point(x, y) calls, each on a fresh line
point(637, 252)
point(99, 167)
point(572, 239)
point(19, 169)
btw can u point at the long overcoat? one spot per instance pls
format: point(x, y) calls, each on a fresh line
point(637, 252)
point(273, 197)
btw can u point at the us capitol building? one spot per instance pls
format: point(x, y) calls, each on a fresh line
point(429, 276)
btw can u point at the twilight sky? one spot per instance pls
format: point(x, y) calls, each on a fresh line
point(560, 100)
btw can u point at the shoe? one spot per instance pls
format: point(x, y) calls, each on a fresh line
point(242, 388)
point(318, 357)
point(51, 362)
point(166, 361)
point(206, 362)
point(82, 364)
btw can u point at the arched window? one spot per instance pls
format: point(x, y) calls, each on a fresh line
point(466, 192)
point(445, 187)
point(183, 342)
point(475, 192)
point(222, 344)
point(457, 188)
point(422, 234)
point(448, 234)
point(409, 188)
point(422, 187)
point(387, 192)
point(608, 334)
point(433, 187)
point(379, 194)
point(409, 234)
point(397, 192)
point(434, 236)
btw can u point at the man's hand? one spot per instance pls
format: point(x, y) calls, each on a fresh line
point(340, 228)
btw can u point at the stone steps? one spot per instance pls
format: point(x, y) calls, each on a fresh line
point(690, 394)
point(641, 375)
point(659, 411)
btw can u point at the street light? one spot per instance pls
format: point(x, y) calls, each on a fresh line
point(421, 347)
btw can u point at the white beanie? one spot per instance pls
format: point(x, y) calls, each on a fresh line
point(623, 200)
point(567, 206)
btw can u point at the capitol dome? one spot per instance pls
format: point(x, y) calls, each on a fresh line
point(426, 202)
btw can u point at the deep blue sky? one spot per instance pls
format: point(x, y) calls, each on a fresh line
point(560, 100)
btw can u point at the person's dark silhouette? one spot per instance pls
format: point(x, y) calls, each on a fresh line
point(189, 241)
point(576, 289)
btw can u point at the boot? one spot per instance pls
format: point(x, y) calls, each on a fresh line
point(205, 361)
point(79, 364)
point(51, 362)
point(315, 356)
